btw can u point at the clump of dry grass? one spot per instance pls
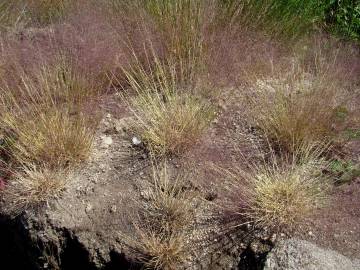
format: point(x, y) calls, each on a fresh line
point(42, 120)
point(283, 197)
point(277, 194)
point(297, 108)
point(45, 132)
point(162, 223)
point(169, 118)
point(182, 25)
point(54, 138)
point(33, 186)
point(159, 250)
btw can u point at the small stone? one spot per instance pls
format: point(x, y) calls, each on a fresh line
point(106, 141)
point(310, 233)
point(88, 208)
point(135, 141)
point(273, 238)
point(102, 167)
point(113, 209)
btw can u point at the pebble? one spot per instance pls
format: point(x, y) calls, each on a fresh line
point(88, 208)
point(113, 209)
point(135, 141)
point(106, 141)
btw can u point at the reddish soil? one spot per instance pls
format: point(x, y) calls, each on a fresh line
point(338, 227)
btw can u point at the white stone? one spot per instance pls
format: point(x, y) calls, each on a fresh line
point(106, 140)
point(135, 141)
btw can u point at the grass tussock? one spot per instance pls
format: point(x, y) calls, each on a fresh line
point(162, 224)
point(284, 197)
point(278, 194)
point(33, 186)
point(42, 120)
point(181, 28)
point(290, 110)
point(52, 138)
point(181, 24)
point(45, 132)
point(169, 118)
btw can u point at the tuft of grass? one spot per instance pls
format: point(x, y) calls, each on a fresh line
point(284, 197)
point(290, 110)
point(45, 134)
point(277, 194)
point(42, 119)
point(159, 250)
point(181, 23)
point(169, 118)
point(53, 138)
point(162, 223)
point(32, 186)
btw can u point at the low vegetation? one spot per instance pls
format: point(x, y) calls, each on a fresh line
point(168, 117)
point(33, 186)
point(163, 224)
point(20, 13)
point(44, 129)
point(290, 108)
point(157, 55)
point(343, 18)
point(276, 194)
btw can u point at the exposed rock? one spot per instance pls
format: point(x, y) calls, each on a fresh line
point(294, 254)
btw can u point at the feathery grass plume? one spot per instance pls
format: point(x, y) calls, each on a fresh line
point(162, 223)
point(277, 194)
point(32, 186)
point(42, 119)
point(169, 118)
point(296, 108)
